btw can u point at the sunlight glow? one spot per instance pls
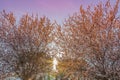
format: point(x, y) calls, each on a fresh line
point(55, 62)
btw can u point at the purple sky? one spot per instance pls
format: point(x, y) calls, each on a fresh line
point(53, 9)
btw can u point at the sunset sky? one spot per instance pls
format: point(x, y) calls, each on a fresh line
point(53, 9)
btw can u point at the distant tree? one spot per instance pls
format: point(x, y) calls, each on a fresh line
point(70, 65)
point(27, 41)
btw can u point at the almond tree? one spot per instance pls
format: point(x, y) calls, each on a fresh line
point(5, 28)
point(93, 35)
point(27, 41)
